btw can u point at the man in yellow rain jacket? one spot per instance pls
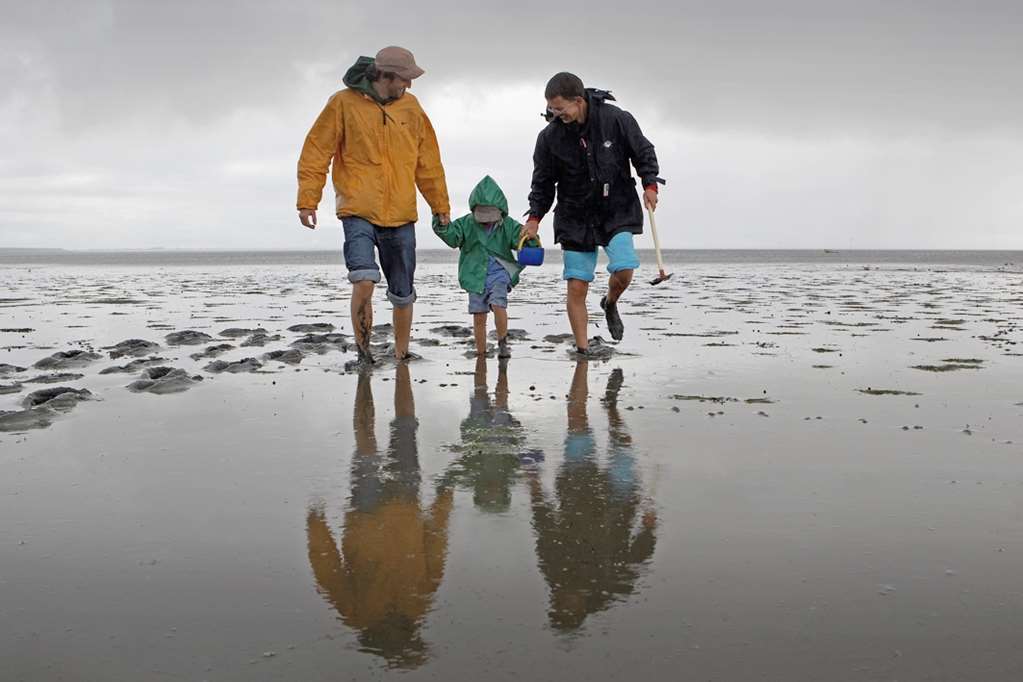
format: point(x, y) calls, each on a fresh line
point(380, 146)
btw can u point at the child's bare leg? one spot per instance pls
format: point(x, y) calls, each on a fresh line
point(500, 321)
point(479, 332)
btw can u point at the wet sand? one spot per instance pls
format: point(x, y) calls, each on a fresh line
point(785, 471)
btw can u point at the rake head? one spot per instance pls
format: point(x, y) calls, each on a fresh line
point(663, 277)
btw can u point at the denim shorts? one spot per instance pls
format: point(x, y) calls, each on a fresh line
point(495, 290)
point(397, 247)
point(621, 255)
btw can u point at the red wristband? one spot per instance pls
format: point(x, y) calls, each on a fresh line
point(652, 186)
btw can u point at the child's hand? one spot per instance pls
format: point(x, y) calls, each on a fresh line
point(444, 218)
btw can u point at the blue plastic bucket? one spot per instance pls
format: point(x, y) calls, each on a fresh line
point(530, 255)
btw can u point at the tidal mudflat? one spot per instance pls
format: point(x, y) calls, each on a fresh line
point(802, 471)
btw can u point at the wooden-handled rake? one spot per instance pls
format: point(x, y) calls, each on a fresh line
point(662, 275)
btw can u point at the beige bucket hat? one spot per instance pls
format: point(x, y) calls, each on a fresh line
point(398, 60)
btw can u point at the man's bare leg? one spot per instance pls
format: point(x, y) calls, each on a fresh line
point(479, 333)
point(616, 286)
point(578, 318)
point(402, 320)
point(362, 315)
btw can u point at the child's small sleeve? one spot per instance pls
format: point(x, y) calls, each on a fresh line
point(451, 233)
point(512, 230)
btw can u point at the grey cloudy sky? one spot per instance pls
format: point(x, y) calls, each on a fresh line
point(778, 125)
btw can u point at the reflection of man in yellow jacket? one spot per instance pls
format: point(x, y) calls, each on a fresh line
point(392, 554)
point(380, 146)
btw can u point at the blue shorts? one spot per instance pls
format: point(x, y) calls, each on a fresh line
point(621, 470)
point(495, 290)
point(579, 446)
point(621, 255)
point(397, 247)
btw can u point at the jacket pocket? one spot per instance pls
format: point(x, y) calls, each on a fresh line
point(362, 142)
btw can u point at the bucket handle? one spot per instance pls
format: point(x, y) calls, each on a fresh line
point(522, 241)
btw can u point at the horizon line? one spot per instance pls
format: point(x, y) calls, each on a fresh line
point(826, 249)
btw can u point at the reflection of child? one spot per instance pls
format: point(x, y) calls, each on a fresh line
point(491, 442)
point(486, 267)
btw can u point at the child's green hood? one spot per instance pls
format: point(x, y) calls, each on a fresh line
point(487, 193)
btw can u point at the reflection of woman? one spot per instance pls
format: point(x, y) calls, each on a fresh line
point(589, 548)
point(491, 443)
point(392, 555)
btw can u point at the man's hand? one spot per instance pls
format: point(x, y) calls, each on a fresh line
point(650, 198)
point(529, 230)
point(444, 218)
point(307, 216)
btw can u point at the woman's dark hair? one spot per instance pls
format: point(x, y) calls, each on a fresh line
point(565, 85)
point(373, 74)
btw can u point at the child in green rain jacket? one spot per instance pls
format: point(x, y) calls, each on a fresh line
point(486, 267)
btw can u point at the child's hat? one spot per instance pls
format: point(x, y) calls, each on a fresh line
point(487, 214)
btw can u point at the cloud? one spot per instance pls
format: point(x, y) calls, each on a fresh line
point(789, 66)
point(777, 124)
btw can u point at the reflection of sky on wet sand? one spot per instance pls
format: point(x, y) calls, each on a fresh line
point(734, 494)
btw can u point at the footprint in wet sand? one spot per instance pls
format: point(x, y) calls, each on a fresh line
point(237, 333)
point(235, 367)
point(259, 340)
point(212, 351)
point(6, 369)
point(61, 398)
point(383, 356)
point(23, 420)
point(289, 357)
point(133, 366)
point(314, 328)
point(321, 343)
point(133, 347)
point(54, 378)
point(189, 337)
point(598, 350)
point(452, 330)
point(68, 359)
point(162, 380)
